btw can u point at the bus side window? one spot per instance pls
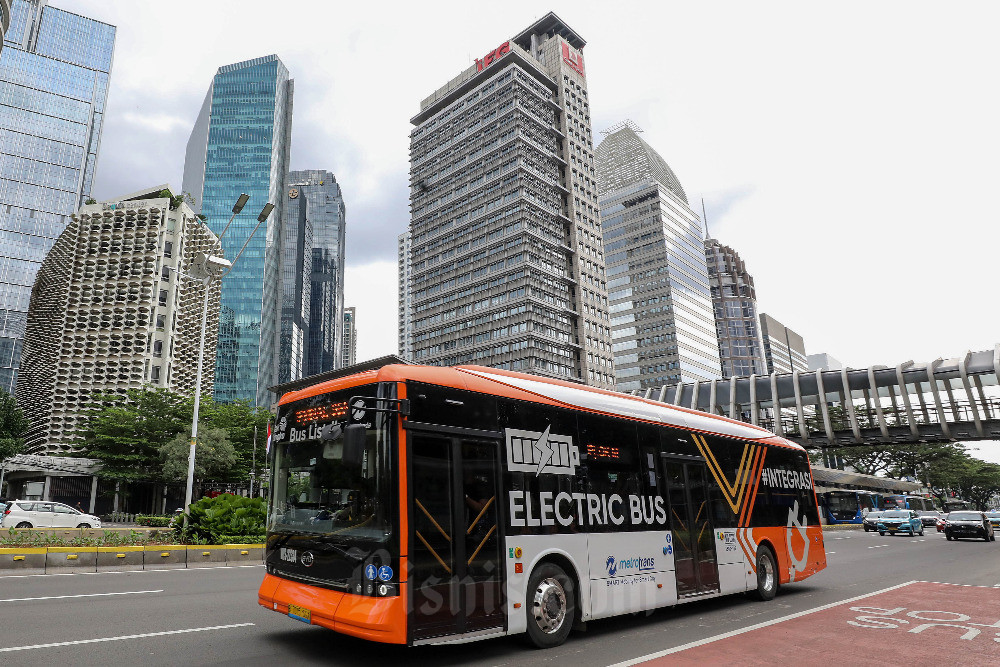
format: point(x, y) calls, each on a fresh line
point(609, 448)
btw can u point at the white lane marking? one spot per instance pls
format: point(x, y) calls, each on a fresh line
point(123, 637)
point(878, 546)
point(163, 569)
point(733, 633)
point(83, 595)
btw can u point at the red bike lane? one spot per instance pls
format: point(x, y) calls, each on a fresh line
point(916, 623)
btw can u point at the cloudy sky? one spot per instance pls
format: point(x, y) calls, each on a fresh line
point(847, 150)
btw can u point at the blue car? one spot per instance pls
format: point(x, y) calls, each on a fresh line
point(902, 521)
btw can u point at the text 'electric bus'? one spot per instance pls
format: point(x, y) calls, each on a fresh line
point(418, 505)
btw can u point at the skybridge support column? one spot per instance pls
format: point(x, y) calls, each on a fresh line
point(963, 370)
point(847, 398)
point(754, 408)
point(713, 394)
point(945, 427)
point(803, 429)
point(951, 401)
point(649, 391)
point(821, 390)
point(694, 394)
point(982, 396)
point(906, 398)
point(878, 402)
point(776, 405)
point(663, 394)
point(732, 398)
point(678, 393)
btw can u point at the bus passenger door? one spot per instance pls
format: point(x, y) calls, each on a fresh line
point(455, 561)
point(695, 562)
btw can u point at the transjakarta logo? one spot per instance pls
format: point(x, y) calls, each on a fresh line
point(786, 479)
point(579, 509)
point(637, 564)
point(530, 451)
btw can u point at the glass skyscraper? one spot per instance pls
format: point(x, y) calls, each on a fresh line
point(662, 322)
point(240, 143)
point(54, 71)
point(312, 275)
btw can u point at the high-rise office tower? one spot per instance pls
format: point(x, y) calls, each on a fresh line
point(4, 19)
point(784, 349)
point(735, 301)
point(240, 143)
point(661, 306)
point(508, 269)
point(312, 275)
point(405, 300)
point(54, 71)
point(112, 310)
point(349, 351)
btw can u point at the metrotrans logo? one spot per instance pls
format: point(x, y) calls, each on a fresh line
point(545, 452)
point(630, 565)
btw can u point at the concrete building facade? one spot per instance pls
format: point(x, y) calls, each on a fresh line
point(506, 254)
point(734, 299)
point(312, 275)
point(784, 350)
point(349, 351)
point(54, 73)
point(662, 320)
point(403, 249)
point(823, 362)
point(112, 310)
point(240, 143)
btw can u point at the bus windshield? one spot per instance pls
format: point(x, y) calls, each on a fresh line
point(313, 490)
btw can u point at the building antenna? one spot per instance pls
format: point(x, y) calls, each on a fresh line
point(704, 216)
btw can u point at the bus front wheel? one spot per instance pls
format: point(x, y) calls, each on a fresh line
point(767, 575)
point(551, 607)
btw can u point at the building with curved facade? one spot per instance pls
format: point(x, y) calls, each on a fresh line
point(662, 322)
point(111, 311)
point(735, 301)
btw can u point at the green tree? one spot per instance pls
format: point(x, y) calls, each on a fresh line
point(13, 426)
point(214, 455)
point(980, 483)
point(238, 420)
point(126, 434)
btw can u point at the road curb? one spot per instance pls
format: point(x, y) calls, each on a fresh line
point(44, 560)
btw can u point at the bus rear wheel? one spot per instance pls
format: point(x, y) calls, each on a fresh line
point(767, 575)
point(551, 605)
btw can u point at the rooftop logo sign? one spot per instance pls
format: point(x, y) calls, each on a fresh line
point(492, 56)
point(573, 58)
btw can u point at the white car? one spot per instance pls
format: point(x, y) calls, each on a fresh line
point(45, 514)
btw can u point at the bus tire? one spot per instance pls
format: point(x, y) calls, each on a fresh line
point(767, 574)
point(551, 605)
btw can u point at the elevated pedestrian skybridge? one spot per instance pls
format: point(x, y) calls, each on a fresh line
point(946, 399)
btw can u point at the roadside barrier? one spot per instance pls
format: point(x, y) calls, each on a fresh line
point(42, 560)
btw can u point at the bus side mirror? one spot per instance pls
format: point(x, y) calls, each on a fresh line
point(355, 436)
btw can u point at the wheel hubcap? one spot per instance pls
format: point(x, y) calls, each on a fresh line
point(549, 605)
point(766, 574)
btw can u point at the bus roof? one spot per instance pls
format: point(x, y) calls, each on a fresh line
point(510, 384)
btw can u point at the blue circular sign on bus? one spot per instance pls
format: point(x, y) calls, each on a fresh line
point(385, 573)
point(370, 572)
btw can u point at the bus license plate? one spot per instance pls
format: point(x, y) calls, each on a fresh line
point(300, 613)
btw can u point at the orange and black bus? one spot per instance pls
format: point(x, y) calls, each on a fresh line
point(419, 505)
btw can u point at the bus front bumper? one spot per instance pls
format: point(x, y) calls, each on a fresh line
point(376, 619)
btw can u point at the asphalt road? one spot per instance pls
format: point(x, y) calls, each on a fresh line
point(210, 616)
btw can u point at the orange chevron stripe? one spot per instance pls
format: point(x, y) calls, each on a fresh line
point(732, 492)
point(755, 472)
point(741, 538)
point(753, 495)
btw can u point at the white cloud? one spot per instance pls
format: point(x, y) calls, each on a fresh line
point(853, 146)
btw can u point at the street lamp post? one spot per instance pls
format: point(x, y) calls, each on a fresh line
point(210, 267)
